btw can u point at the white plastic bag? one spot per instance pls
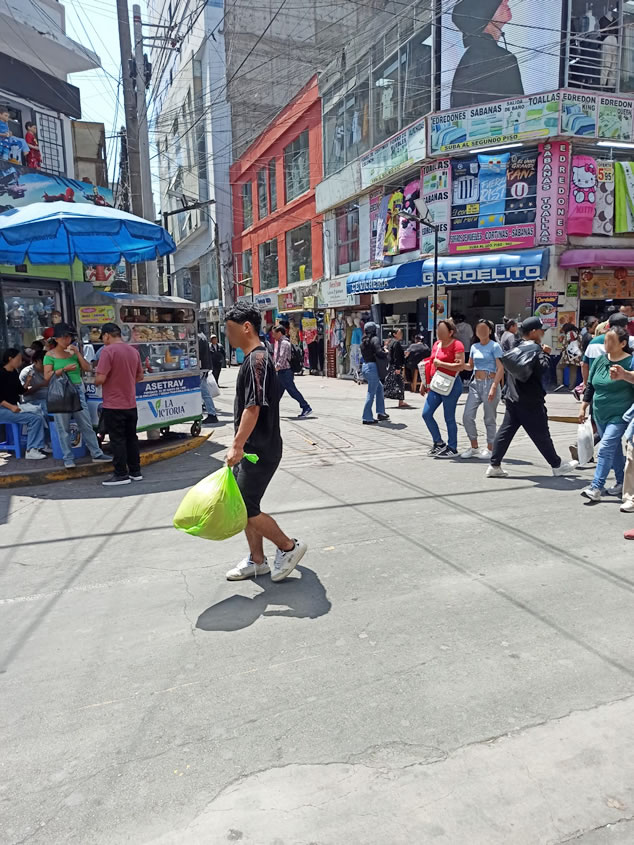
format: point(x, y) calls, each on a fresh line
point(585, 442)
point(213, 385)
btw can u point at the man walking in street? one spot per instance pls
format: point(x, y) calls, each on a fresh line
point(525, 402)
point(118, 371)
point(257, 430)
point(206, 363)
point(282, 355)
point(217, 357)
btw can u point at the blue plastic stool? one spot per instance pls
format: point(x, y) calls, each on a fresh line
point(15, 441)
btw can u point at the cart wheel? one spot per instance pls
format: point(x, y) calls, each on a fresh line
point(196, 428)
point(164, 430)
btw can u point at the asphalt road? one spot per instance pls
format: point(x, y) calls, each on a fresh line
point(453, 661)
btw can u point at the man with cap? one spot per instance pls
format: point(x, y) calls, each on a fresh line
point(486, 71)
point(118, 371)
point(525, 403)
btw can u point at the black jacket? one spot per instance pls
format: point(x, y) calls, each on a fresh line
point(217, 355)
point(396, 355)
point(203, 353)
point(373, 353)
point(485, 72)
point(530, 391)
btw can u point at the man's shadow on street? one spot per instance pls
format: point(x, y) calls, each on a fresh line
point(305, 598)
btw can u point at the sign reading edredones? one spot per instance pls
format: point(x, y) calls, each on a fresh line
point(397, 152)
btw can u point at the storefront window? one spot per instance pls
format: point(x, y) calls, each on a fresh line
point(627, 48)
point(415, 83)
point(385, 81)
point(247, 205)
point(247, 267)
point(299, 254)
point(27, 313)
point(296, 167)
point(267, 254)
point(594, 47)
point(347, 225)
point(263, 198)
point(273, 184)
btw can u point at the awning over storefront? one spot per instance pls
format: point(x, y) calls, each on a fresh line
point(485, 268)
point(597, 258)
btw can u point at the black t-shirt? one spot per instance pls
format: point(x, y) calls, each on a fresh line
point(257, 385)
point(10, 387)
point(531, 391)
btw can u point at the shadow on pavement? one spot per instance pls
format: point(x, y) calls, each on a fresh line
point(304, 598)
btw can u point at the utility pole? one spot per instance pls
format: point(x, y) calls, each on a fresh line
point(142, 82)
point(132, 125)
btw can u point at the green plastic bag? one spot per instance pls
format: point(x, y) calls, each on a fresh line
point(213, 508)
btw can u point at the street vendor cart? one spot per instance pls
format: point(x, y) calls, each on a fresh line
point(163, 329)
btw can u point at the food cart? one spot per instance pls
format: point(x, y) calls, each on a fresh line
point(163, 329)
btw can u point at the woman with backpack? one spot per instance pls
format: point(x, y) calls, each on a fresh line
point(374, 370)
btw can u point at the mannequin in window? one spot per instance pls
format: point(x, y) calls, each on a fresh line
point(609, 52)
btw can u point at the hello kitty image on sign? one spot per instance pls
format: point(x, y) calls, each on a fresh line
point(584, 179)
point(583, 194)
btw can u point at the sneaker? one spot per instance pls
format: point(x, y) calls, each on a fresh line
point(628, 506)
point(629, 535)
point(136, 477)
point(370, 422)
point(592, 493)
point(383, 417)
point(47, 450)
point(70, 464)
point(485, 454)
point(436, 448)
point(247, 569)
point(617, 490)
point(285, 562)
point(447, 452)
point(35, 455)
point(496, 472)
point(116, 480)
point(565, 468)
point(102, 459)
point(574, 453)
point(470, 453)
point(305, 413)
point(210, 419)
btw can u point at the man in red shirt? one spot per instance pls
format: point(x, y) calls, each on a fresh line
point(118, 371)
point(628, 310)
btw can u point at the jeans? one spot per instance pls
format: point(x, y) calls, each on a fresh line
point(534, 420)
point(433, 402)
point(121, 427)
point(41, 403)
point(84, 424)
point(375, 390)
point(572, 374)
point(479, 395)
point(206, 392)
point(34, 426)
point(610, 454)
point(286, 379)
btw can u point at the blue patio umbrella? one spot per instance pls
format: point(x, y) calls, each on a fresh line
point(59, 232)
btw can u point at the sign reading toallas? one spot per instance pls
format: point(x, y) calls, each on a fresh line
point(553, 167)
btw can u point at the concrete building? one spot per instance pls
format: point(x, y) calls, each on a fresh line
point(89, 146)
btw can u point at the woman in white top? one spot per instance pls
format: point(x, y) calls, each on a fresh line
point(484, 388)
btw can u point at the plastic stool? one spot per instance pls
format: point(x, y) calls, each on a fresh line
point(14, 441)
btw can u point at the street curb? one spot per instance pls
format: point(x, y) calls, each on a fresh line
point(48, 476)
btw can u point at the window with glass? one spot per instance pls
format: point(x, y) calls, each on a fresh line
point(273, 184)
point(263, 195)
point(299, 265)
point(347, 233)
point(267, 254)
point(296, 167)
point(247, 205)
point(247, 267)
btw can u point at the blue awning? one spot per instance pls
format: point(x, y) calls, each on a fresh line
point(485, 268)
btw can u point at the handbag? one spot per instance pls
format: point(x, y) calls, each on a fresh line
point(442, 383)
point(62, 397)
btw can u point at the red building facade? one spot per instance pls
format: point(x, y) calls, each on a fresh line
point(278, 234)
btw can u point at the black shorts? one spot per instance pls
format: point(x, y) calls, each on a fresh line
point(253, 479)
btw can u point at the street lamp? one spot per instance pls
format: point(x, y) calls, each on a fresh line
point(424, 219)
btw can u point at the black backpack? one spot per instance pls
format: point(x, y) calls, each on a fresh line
point(297, 358)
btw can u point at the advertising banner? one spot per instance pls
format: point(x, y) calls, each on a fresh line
point(552, 192)
point(608, 117)
point(20, 186)
point(95, 315)
point(442, 309)
point(159, 402)
point(614, 119)
point(546, 308)
point(605, 285)
point(334, 294)
point(375, 207)
point(435, 190)
point(492, 51)
point(578, 114)
point(505, 122)
point(399, 151)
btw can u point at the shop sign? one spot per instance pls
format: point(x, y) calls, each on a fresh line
point(435, 186)
point(20, 186)
point(503, 122)
point(265, 301)
point(159, 402)
point(334, 294)
point(95, 315)
point(617, 285)
point(484, 240)
point(572, 290)
point(546, 308)
point(442, 309)
point(399, 151)
point(482, 275)
point(596, 116)
point(553, 166)
point(287, 301)
point(309, 303)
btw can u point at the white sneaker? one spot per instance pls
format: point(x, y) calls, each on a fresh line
point(285, 562)
point(247, 569)
point(617, 490)
point(628, 506)
point(484, 454)
point(565, 468)
point(592, 493)
point(470, 453)
point(496, 472)
point(35, 455)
